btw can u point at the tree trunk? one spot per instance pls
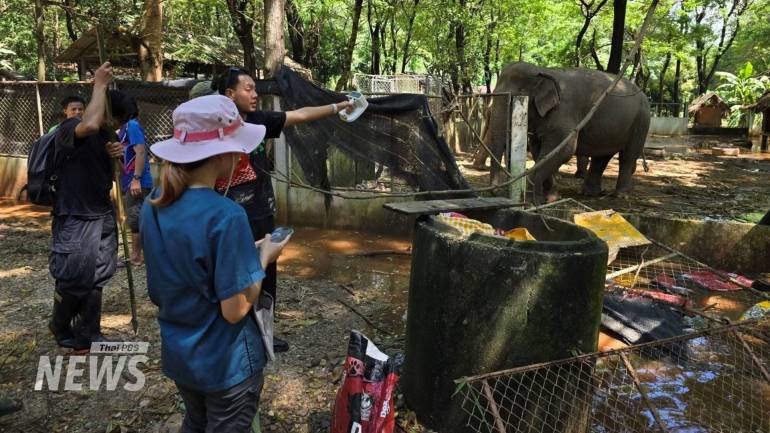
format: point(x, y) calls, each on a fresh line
point(274, 45)
point(462, 67)
point(588, 15)
point(151, 47)
point(243, 25)
point(393, 46)
point(487, 58)
point(296, 31)
point(663, 76)
point(594, 55)
point(68, 19)
point(677, 77)
point(618, 32)
point(409, 30)
point(348, 55)
point(374, 36)
point(40, 39)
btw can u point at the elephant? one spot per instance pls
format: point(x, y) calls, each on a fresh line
point(558, 100)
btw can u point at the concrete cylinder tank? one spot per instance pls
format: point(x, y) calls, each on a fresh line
point(485, 303)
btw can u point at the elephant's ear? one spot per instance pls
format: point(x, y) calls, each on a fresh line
point(546, 94)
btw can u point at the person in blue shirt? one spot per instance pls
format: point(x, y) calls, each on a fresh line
point(204, 270)
point(136, 180)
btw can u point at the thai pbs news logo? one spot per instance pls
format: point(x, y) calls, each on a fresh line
point(99, 370)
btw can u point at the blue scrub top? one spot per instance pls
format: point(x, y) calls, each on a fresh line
point(132, 134)
point(199, 251)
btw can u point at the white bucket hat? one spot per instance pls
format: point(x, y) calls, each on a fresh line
point(208, 126)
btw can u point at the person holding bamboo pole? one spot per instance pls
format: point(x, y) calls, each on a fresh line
point(84, 246)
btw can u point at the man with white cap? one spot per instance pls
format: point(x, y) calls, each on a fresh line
point(202, 273)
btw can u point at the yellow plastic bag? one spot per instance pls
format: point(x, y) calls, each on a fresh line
point(466, 225)
point(519, 234)
point(612, 228)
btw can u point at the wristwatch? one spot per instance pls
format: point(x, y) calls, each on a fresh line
point(137, 177)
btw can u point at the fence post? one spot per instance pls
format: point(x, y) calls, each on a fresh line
point(39, 109)
point(283, 166)
point(517, 148)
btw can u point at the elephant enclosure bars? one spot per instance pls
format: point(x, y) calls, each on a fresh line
point(714, 378)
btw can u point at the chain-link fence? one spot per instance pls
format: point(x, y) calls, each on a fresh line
point(657, 268)
point(715, 380)
point(403, 83)
point(28, 109)
point(668, 109)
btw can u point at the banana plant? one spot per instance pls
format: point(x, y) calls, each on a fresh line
point(741, 90)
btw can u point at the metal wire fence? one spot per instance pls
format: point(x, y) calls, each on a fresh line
point(400, 83)
point(715, 380)
point(650, 270)
point(29, 109)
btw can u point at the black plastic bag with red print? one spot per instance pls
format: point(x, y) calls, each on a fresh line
point(364, 403)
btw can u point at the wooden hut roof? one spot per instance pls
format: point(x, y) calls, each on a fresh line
point(708, 99)
point(122, 50)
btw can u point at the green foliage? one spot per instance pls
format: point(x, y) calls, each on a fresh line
point(741, 89)
point(420, 36)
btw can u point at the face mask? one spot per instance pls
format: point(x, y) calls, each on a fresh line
point(234, 159)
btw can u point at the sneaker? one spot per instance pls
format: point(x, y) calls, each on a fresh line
point(279, 345)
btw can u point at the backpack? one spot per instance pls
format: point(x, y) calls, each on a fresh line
point(42, 168)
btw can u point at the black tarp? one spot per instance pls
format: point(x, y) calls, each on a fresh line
point(397, 131)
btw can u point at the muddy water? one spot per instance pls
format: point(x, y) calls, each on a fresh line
point(337, 256)
point(707, 388)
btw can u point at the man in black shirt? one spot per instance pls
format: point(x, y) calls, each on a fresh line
point(83, 254)
point(250, 186)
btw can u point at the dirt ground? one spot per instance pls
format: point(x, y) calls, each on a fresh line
point(316, 273)
point(324, 290)
point(687, 182)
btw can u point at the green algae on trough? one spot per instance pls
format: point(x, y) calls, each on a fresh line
point(483, 304)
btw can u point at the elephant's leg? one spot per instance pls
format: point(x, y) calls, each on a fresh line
point(592, 186)
point(626, 172)
point(582, 167)
point(543, 184)
point(631, 153)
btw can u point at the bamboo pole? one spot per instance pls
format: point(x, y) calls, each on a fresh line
point(121, 214)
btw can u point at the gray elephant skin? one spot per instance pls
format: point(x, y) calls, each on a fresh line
point(558, 100)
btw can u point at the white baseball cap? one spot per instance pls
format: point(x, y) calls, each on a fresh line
point(207, 126)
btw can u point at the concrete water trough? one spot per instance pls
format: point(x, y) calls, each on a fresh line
point(486, 303)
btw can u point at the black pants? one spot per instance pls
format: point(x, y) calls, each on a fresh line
point(83, 253)
point(259, 228)
point(229, 411)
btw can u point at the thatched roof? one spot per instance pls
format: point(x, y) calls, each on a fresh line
point(122, 48)
point(762, 104)
point(708, 99)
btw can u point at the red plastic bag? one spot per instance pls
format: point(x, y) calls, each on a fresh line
point(364, 403)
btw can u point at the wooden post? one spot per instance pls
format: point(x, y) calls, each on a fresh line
point(39, 109)
point(282, 165)
point(516, 153)
point(499, 425)
point(638, 384)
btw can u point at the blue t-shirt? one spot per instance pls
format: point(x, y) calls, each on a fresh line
point(130, 135)
point(199, 252)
